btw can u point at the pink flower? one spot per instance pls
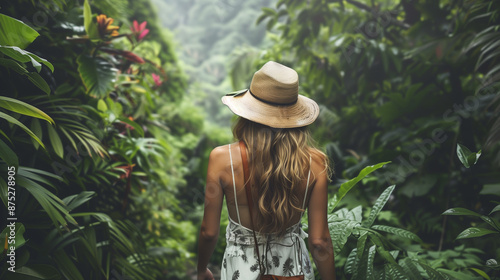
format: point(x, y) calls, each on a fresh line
point(157, 80)
point(140, 31)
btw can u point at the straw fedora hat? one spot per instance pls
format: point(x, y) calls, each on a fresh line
point(273, 99)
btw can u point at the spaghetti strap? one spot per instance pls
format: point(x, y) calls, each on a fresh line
point(307, 187)
point(234, 185)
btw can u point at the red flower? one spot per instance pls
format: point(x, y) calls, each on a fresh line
point(140, 31)
point(157, 79)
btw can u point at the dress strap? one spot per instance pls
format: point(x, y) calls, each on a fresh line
point(234, 185)
point(307, 186)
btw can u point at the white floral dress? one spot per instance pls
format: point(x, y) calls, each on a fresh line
point(284, 256)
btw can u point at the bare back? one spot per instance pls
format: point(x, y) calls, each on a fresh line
point(227, 185)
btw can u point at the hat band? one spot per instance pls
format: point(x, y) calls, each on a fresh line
point(272, 103)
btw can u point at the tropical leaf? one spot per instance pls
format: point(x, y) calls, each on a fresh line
point(460, 212)
point(38, 81)
point(97, 75)
point(351, 262)
point(25, 56)
point(467, 157)
point(377, 207)
point(52, 205)
point(434, 274)
point(376, 239)
point(8, 155)
point(23, 108)
point(37, 130)
point(369, 263)
point(475, 232)
point(14, 32)
point(14, 65)
point(398, 231)
point(76, 200)
point(89, 24)
point(347, 186)
point(22, 126)
point(394, 272)
point(411, 269)
point(340, 232)
point(55, 140)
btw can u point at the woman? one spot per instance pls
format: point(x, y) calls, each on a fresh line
point(285, 175)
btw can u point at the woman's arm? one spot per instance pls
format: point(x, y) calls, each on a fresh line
point(319, 241)
point(214, 195)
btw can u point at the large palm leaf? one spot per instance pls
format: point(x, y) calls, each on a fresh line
point(72, 119)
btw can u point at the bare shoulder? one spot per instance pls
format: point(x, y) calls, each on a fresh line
point(319, 160)
point(218, 155)
point(221, 153)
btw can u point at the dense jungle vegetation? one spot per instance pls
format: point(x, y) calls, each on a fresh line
point(109, 109)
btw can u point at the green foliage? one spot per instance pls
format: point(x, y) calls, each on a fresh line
point(404, 81)
point(467, 157)
point(14, 32)
point(97, 75)
point(102, 198)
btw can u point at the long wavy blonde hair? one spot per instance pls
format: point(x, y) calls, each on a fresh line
point(278, 162)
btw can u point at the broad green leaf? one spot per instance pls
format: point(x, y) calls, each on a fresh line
point(101, 105)
point(90, 25)
point(25, 56)
point(8, 155)
point(14, 32)
point(398, 231)
point(474, 232)
point(97, 75)
point(55, 140)
point(340, 232)
point(24, 108)
point(379, 204)
point(460, 212)
point(21, 125)
point(18, 239)
point(467, 157)
point(38, 81)
point(347, 186)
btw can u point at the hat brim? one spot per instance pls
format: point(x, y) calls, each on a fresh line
point(302, 113)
